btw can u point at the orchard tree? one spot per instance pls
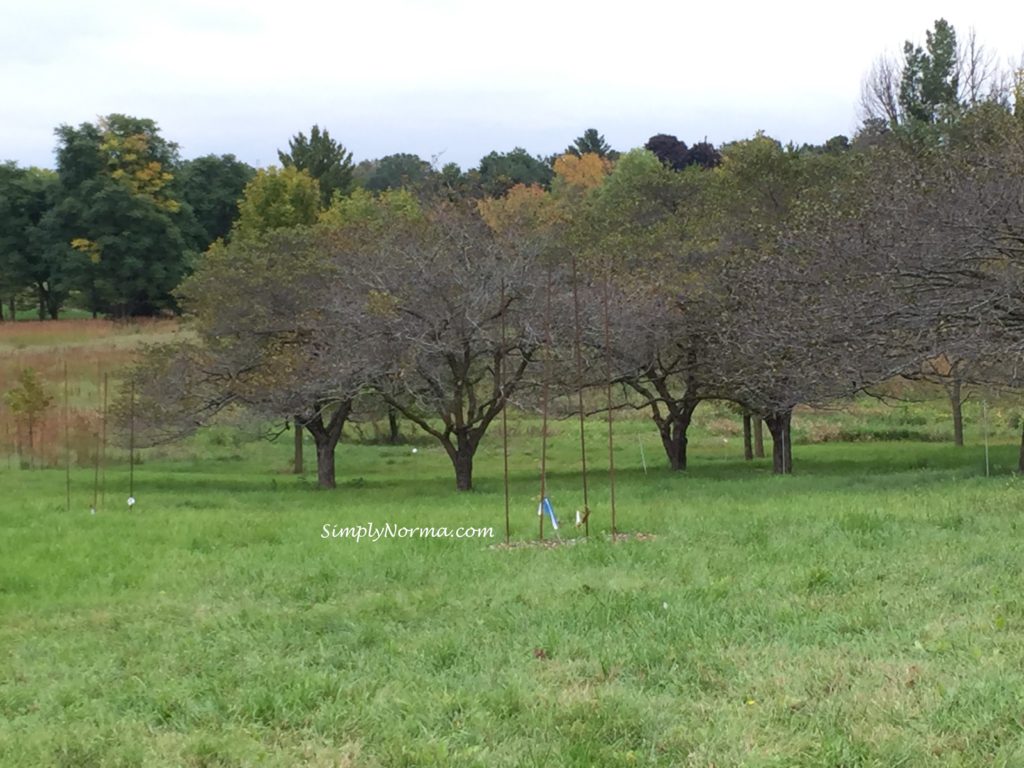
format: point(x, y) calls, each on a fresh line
point(776, 294)
point(953, 375)
point(634, 236)
point(273, 200)
point(436, 290)
point(948, 234)
point(272, 333)
point(833, 277)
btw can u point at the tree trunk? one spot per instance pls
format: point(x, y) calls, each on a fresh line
point(748, 442)
point(297, 462)
point(461, 452)
point(394, 436)
point(956, 403)
point(42, 303)
point(758, 437)
point(673, 437)
point(673, 433)
point(1020, 459)
point(326, 439)
point(782, 441)
point(325, 463)
point(12, 308)
point(463, 462)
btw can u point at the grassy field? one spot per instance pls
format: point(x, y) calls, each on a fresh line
point(866, 611)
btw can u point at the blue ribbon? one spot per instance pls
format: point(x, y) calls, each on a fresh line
point(546, 507)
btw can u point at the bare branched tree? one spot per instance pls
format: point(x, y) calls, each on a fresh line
point(272, 333)
point(978, 72)
point(879, 99)
point(435, 292)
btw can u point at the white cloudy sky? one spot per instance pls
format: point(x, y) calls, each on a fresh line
point(455, 78)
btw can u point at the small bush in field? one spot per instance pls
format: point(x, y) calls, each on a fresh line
point(28, 401)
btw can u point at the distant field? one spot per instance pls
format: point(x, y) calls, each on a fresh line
point(864, 612)
point(89, 349)
point(53, 334)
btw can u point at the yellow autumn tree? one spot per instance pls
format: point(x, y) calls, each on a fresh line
point(577, 174)
point(522, 209)
point(135, 157)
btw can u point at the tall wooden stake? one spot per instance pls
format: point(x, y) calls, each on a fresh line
point(545, 391)
point(984, 416)
point(67, 445)
point(96, 445)
point(504, 411)
point(103, 449)
point(131, 444)
point(608, 393)
point(579, 392)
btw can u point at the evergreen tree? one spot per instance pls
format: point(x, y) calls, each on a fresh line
point(324, 159)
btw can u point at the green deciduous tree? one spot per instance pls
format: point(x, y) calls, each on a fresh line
point(212, 186)
point(26, 261)
point(119, 222)
point(499, 172)
point(399, 171)
point(277, 198)
point(124, 254)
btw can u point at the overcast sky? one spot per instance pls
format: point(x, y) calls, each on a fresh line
point(454, 78)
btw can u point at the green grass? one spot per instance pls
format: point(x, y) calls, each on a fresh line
point(866, 611)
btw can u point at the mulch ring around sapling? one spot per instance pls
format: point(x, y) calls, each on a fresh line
point(555, 542)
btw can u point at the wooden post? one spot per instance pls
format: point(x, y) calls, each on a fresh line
point(131, 445)
point(103, 449)
point(67, 444)
point(504, 412)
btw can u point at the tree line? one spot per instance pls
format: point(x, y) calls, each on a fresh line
point(120, 222)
